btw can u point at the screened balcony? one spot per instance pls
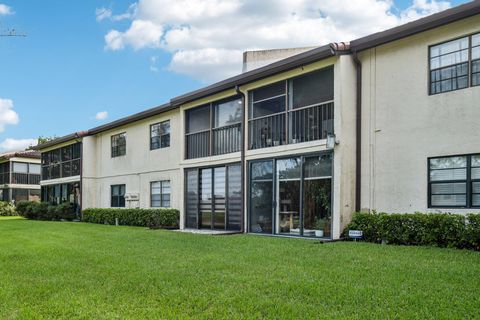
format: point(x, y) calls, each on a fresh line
point(292, 111)
point(213, 129)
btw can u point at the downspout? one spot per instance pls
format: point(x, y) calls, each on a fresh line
point(358, 163)
point(242, 159)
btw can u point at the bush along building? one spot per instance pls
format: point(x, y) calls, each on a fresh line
point(387, 122)
point(20, 176)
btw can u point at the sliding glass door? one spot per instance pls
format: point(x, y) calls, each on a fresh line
point(213, 198)
point(291, 196)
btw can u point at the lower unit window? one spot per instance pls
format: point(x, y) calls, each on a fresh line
point(160, 194)
point(454, 182)
point(292, 196)
point(117, 196)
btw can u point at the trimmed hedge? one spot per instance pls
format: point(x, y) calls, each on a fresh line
point(152, 218)
point(7, 209)
point(431, 229)
point(44, 211)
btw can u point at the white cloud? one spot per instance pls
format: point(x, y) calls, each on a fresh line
point(7, 114)
point(207, 37)
point(5, 10)
point(102, 115)
point(10, 144)
point(106, 13)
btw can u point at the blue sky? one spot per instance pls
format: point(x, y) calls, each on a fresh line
point(121, 57)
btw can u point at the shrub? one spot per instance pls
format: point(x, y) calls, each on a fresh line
point(21, 207)
point(152, 218)
point(44, 211)
point(442, 230)
point(7, 209)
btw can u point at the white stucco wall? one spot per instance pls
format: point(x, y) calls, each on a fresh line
point(402, 125)
point(137, 168)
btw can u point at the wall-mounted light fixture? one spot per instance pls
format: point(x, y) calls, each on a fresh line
point(331, 141)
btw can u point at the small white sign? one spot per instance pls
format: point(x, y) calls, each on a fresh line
point(356, 234)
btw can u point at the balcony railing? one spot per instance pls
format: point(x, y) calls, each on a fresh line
point(198, 144)
point(267, 131)
point(311, 123)
point(223, 140)
point(25, 178)
point(226, 139)
point(4, 178)
point(304, 124)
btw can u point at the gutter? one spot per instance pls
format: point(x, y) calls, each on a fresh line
point(242, 159)
point(358, 144)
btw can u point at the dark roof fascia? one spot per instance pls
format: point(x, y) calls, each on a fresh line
point(424, 24)
point(257, 74)
point(133, 118)
point(68, 137)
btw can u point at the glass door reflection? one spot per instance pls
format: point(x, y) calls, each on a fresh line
point(288, 176)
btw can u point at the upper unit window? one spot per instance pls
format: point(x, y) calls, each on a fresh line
point(292, 111)
point(160, 194)
point(119, 145)
point(61, 163)
point(454, 181)
point(450, 64)
point(214, 129)
point(160, 135)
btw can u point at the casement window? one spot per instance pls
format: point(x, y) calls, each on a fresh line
point(119, 145)
point(455, 64)
point(214, 128)
point(160, 194)
point(454, 182)
point(117, 199)
point(160, 135)
point(292, 111)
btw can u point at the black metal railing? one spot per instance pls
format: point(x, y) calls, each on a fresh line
point(304, 124)
point(267, 131)
point(198, 144)
point(5, 178)
point(311, 123)
point(25, 178)
point(226, 139)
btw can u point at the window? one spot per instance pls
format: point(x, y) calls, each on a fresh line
point(454, 182)
point(160, 135)
point(214, 129)
point(117, 196)
point(59, 163)
point(119, 145)
point(20, 167)
point(291, 196)
point(160, 194)
point(455, 64)
point(292, 111)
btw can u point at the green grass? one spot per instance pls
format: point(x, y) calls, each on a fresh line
point(76, 270)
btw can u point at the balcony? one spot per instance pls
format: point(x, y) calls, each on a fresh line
point(304, 124)
point(223, 140)
point(25, 178)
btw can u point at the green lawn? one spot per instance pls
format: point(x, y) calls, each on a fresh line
point(76, 270)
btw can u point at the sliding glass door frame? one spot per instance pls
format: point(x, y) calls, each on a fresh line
point(274, 189)
point(198, 171)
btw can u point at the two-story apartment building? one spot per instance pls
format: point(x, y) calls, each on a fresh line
point(386, 122)
point(20, 176)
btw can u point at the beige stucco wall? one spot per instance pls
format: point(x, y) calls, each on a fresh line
point(402, 125)
point(136, 169)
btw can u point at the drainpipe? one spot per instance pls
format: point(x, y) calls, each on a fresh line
point(358, 164)
point(242, 159)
